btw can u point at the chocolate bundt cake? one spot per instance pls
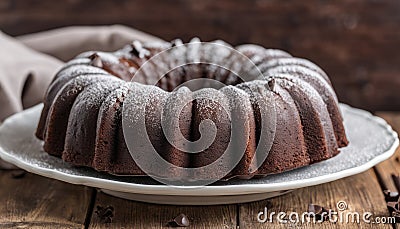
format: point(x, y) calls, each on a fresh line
point(82, 118)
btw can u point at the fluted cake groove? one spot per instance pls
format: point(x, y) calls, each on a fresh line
point(81, 121)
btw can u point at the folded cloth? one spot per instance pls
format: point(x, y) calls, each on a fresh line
point(24, 75)
point(66, 43)
point(28, 63)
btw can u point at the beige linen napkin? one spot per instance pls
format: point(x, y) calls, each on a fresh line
point(66, 43)
point(24, 75)
point(28, 63)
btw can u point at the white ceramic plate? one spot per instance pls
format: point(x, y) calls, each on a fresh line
point(372, 141)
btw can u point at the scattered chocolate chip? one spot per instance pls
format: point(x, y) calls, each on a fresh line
point(96, 60)
point(316, 209)
point(393, 206)
point(393, 198)
point(397, 159)
point(93, 56)
point(180, 221)
point(105, 214)
point(319, 211)
point(390, 196)
point(269, 204)
point(394, 210)
point(17, 174)
point(271, 83)
point(138, 50)
point(396, 215)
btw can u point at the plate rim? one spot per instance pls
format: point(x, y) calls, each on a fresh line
point(237, 189)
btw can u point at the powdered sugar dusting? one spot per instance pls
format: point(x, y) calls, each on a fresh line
point(106, 56)
point(77, 61)
point(306, 75)
point(147, 104)
point(115, 97)
point(289, 83)
point(292, 62)
point(276, 53)
point(140, 98)
point(75, 70)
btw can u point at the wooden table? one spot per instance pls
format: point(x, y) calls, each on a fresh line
point(28, 201)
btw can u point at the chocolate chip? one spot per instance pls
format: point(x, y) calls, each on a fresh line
point(394, 210)
point(391, 196)
point(269, 204)
point(396, 215)
point(17, 174)
point(105, 214)
point(96, 60)
point(319, 211)
point(316, 209)
point(180, 221)
point(393, 199)
point(393, 206)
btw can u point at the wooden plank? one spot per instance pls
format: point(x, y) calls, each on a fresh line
point(392, 166)
point(131, 214)
point(361, 193)
point(32, 201)
point(391, 117)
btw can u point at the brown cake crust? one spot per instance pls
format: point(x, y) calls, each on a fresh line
point(81, 121)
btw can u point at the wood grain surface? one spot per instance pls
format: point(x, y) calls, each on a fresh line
point(130, 214)
point(31, 201)
point(361, 193)
point(355, 41)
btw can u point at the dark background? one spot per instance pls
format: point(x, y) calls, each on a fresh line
point(355, 41)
